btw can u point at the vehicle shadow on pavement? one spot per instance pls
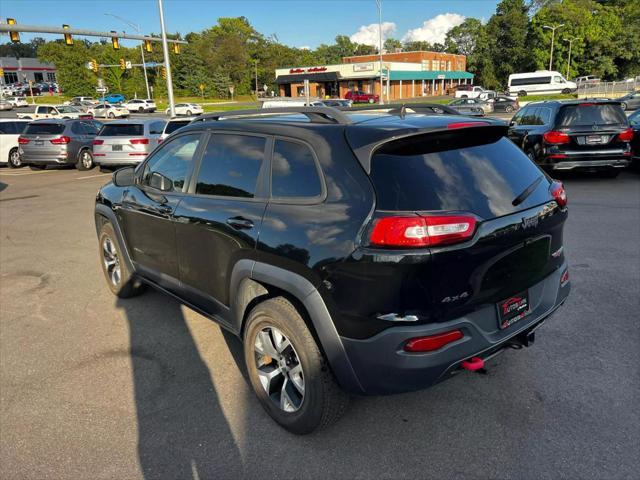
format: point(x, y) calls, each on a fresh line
point(182, 430)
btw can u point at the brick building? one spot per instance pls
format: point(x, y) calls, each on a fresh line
point(405, 75)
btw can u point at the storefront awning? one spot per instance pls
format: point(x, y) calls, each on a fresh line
point(430, 75)
point(312, 77)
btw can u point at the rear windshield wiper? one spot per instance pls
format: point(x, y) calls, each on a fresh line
point(527, 191)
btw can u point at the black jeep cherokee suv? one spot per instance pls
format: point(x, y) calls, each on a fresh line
point(362, 253)
point(589, 135)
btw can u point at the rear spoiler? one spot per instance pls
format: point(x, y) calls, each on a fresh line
point(364, 148)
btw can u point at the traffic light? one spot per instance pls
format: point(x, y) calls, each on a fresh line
point(163, 72)
point(14, 36)
point(123, 64)
point(114, 41)
point(68, 39)
point(147, 46)
point(176, 48)
point(94, 65)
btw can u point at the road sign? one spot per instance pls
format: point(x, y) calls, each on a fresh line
point(201, 87)
point(102, 89)
point(152, 64)
point(265, 87)
point(231, 89)
point(127, 65)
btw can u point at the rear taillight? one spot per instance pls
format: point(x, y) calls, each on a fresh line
point(98, 142)
point(558, 193)
point(22, 141)
point(432, 342)
point(626, 136)
point(416, 231)
point(62, 140)
point(554, 137)
point(139, 141)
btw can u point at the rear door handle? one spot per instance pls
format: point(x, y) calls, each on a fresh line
point(240, 223)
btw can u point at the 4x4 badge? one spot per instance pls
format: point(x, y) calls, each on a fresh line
point(530, 222)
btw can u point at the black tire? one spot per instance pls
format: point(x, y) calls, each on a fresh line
point(464, 96)
point(85, 160)
point(371, 100)
point(566, 91)
point(112, 115)
point(14, 158)
point(188, 113)
point(127, 285)
point(141, 110)
point(609, 173)
point(623, 105)
point(323, 402)
point(38, 167)
point(522, 93)
point(508, 109)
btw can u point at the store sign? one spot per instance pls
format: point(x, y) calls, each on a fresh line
point(363, 67)
point(441, 77)
point(308, 70)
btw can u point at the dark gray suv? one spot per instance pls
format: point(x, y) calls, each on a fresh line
point(58, 142)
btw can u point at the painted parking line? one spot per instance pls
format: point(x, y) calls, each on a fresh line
point(21, 174)
point(93, 176)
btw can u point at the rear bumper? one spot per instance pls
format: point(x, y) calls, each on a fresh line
point(100, 158)
point(570, 160)
point(50, 158)
point(382, 366)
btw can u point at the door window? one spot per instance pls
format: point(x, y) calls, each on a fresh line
point(230, 165)
point(167, 169)
point(293, 171)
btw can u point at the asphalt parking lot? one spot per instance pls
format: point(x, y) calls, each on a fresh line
point(92, 387)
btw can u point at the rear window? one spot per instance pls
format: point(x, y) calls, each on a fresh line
point(591, 114)
point(173, 126)
point(477, 172)
point(122, 130)
point(44, 129)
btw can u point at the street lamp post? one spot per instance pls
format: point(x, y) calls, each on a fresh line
point(256, 60)
point(167, 63)
point(379, 4)
point(137, 29)
point(553, 34)
point(570, 42)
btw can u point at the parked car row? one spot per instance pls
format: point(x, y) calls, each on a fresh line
point(81, 142)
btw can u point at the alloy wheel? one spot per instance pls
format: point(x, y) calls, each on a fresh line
point(111, 261)
point(86, 159)
point(279, 369)
point(14, 159)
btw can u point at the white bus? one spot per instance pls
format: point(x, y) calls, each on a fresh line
point(540, 82)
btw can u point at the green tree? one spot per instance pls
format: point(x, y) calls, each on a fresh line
point(391, 44)
point(71, 72)
point(416, 45)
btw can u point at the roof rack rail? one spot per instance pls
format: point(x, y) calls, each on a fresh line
point(400, 109)
point(315, 114)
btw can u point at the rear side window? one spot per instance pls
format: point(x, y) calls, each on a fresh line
point(173, 126)
point(475, 172)
point(293, 171)
point(591, 114)
point(230, 165)
point(122, 130)
point(44, 129)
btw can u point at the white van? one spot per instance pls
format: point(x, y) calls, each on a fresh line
point(540, 82)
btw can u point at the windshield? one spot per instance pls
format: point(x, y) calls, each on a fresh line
point(44, 129)
point(122, 130)
point(475, 173)
point(67, 110)
point(588, 114)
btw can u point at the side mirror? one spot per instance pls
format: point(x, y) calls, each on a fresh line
point(124, 177)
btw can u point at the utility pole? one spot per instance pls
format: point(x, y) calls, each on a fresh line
point(137, 29)
point(553, 34)
point(256, 65)
point(167, 64)
point(570, 42)
point(379, 4)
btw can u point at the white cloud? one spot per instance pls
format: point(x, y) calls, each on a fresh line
point(435, 29)
point(305, 47)
point(368, 34)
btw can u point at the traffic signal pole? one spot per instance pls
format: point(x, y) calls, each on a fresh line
point(167, 64)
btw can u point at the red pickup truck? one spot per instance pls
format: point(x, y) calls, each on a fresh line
point(358, 96)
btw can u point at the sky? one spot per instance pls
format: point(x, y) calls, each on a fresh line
point(297, 23)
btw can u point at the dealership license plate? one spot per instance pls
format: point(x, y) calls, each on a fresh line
point(513, 309)
point(594, 139)
point(116, 148)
